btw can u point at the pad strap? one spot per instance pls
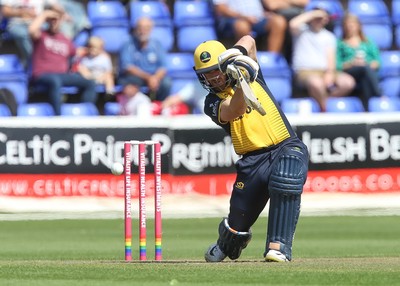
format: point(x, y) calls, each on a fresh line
point(230, 241)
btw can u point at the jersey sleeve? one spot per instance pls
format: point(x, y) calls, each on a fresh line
point(212, 107)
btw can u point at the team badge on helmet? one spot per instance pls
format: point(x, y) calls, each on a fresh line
point(205, 57)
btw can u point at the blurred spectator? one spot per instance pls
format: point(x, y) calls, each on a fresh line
point(191, 94)
point(288, 9)
point(314, 58)
point(239, 18)
point(78, 19)
point(138, 104)
point(96, 65)
point(51, 59)
point(19, 15)
point(359, 56)
point(143, 63)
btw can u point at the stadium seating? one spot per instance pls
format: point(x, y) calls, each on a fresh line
point(165, 35)
point(4, 110)
point(396, 21)
point(300, 105)
point(180, 65)
point(156, 10)
point(114, 36)
point(14, 77)
point(277, 74)
point(180, 69)
point(189, 13)
point(189, 37)
point(107, 13)
point(375, 18)
point(110, 22)
point(35, 109)
point(344, 105)
point(383, 104)
point(79, 109)
point(396, 12)
point(81, 39)
point(389, 73)
point(112, 108)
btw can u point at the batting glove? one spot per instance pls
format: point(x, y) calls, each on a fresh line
point(227, 58)
point(233, 74)
point(247, 66)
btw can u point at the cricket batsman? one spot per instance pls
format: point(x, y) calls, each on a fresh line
point(274, 161)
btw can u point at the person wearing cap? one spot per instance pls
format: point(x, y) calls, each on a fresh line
point(314, 57)
point(274, 161)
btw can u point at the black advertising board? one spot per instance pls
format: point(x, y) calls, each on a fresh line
point(190, 145)
point(69, 150)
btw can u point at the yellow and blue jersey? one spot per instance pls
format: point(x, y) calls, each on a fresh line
point(252, 131)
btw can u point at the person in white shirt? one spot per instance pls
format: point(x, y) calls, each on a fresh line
point(97, 65)
point(314, 58)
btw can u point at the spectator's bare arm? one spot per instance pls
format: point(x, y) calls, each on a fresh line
point(273, 5)
point(297, 22)
point(19, 12)
point(36, 25)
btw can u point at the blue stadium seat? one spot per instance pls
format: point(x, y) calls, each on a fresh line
point(300, 105)
point(114, 36)
point(10, 64)
point(79, 109)
point(4, 110)
point(396, 12)
point(389, 73)
point(344, 105)
point(14, 77)
point(277, 74)
point(390, 63)
point(374, 11)
point(158, 11)
point(107, 13)
point(112, 108)
point(383, 104)
point(165, 35)
point(397, 35)
point(189, 37)
point(396, 21)
point(163, 29)
point(376, 20)
point(381, 34)
point(180, 65)
point(81, 39)
point(19, 87)
point(188, 13)
point(35, 109)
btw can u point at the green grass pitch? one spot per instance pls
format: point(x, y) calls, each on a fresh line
point(341, 250)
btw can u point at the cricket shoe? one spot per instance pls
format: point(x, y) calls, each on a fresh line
point(275, 256)
point(214, 254)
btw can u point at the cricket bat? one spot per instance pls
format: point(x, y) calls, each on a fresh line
point(248, 94)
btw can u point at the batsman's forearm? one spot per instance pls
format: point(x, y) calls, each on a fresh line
point(249, 44)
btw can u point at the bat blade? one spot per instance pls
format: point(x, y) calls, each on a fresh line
point(249, 96)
